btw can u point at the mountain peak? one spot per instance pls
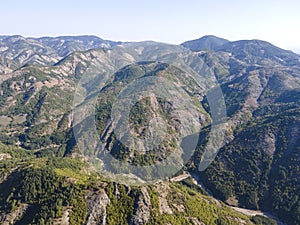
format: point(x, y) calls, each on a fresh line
point(207, 42)
point(257, 51)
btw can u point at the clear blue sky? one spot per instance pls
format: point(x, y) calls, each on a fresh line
point(161, 20)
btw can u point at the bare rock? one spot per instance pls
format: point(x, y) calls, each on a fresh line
point(195, 221)
point(163, 191)
point(269, 143)
point(142, 208)
point(96, 203)
point(5, 156)
point(64, 219)
point(12, 217)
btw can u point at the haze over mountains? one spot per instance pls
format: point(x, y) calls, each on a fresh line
point(258, 166)
point(17, 51)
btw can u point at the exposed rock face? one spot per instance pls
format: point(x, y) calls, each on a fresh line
point(195, 221)
point(142, 208)
point(269, 142)
point(116, 190)
point(97, 203)
point(4, 156)
point(163, 190)
point(12, 217)
point(65, 219)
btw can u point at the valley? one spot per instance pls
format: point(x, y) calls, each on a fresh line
point(95, 131)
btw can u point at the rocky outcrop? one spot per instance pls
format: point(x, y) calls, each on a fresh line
point(64, 219)
point(96, 203)
point(4, 156)
point(269, 142)
point(195, 221)
point(163, 191)
point(12, 217)
point(142, 208)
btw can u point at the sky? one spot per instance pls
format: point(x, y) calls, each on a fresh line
point(171, 21)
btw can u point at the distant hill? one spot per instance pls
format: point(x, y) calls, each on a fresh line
point(208, 42)
point(67, 44)
point(253, 51)
point(17, 51)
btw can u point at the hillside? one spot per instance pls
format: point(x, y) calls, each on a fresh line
point(74, 108)
point(40, 190)
point(208, 42)
point(260, 162)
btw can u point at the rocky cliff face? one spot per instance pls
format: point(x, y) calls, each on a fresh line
point(142, 209)
point(96, 204)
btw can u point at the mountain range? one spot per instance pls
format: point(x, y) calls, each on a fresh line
point(45, 178)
